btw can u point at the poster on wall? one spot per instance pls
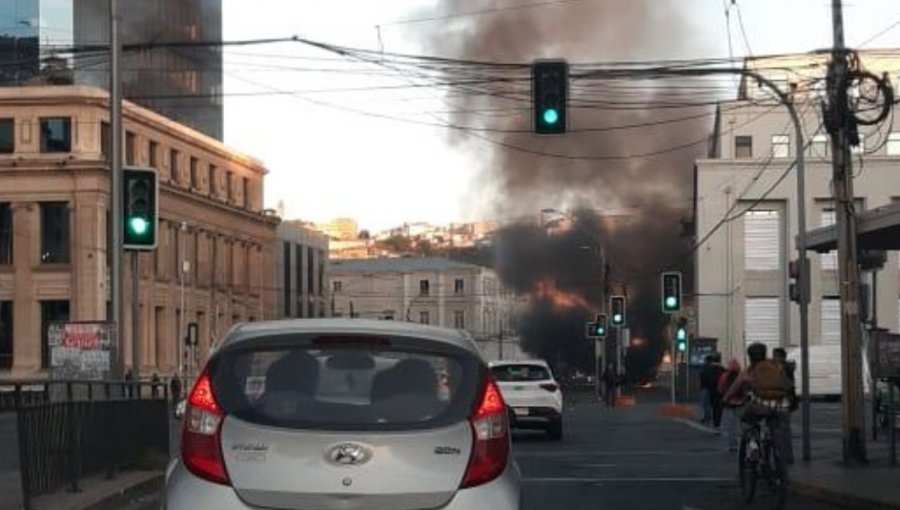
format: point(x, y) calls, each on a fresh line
point(81, 350)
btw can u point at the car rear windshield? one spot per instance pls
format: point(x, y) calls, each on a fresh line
point(509, 373)
point(346, 387)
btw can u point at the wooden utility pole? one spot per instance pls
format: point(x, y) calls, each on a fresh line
point(842, 130)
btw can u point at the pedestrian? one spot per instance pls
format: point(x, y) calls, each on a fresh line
point(706, 385)
point(787, 440)
point(715, 395)
point(175, 386)
point(129, 376)
point(731, 405)
point(154, 385)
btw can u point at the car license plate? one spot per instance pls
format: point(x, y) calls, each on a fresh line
point(521, 411)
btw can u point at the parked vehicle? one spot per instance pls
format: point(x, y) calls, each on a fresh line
point(533, 395)
point(344, 414)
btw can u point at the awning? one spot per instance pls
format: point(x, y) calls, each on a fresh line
point(878, 229)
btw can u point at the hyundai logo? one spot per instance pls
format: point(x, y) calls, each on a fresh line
point(348, 454)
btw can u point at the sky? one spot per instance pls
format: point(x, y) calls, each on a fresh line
point(327, 155)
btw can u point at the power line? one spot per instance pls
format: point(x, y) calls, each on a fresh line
point(880, 33)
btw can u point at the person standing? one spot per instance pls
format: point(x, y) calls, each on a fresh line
point(706, 386)
point(731, 405)
point(716, 372)
point(610, 382)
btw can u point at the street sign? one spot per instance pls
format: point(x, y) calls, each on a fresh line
point(884, 355)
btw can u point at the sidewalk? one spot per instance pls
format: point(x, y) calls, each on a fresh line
point(98, 493)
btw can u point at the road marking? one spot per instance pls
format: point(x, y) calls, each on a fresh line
point(612, 479)
point(596, 454)
point(696, 426)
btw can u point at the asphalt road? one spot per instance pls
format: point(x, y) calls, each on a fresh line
point(622, 459)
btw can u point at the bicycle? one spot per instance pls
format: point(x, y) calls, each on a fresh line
point(760, 457)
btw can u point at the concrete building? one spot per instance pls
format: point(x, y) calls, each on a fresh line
point(181, 83)
point(341, 229)
point(746, 204)
point(301, 259)
point(428, 290)
point(53, 228)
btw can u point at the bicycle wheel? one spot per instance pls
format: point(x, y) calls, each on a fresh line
point(746, 472)
point(778, 477)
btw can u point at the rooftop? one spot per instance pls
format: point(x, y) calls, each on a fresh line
point(400, 265)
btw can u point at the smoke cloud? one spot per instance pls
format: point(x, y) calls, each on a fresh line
point(518, 183)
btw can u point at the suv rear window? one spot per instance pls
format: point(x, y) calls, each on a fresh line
point(509, 373)
point(346, 387)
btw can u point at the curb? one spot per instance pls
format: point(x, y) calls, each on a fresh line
point(126, 494)
point(841, 499)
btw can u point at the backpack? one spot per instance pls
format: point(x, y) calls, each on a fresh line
point(769, 382)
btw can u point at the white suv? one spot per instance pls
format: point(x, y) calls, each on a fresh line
point(532, 393)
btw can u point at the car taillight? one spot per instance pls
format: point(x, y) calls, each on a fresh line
point(491, 438)
point(201, 442)
point(551, 387)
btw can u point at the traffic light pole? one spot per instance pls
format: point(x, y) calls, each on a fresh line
point(115, 249)
point(135, 316)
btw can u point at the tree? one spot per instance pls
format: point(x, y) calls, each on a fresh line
point(364, 235)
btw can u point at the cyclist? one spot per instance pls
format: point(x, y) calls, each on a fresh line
point(768, 391)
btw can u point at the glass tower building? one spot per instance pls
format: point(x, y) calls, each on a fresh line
point(58, 42)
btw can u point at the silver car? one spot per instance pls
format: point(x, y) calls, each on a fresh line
point(344, 414)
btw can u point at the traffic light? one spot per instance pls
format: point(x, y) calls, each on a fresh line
point(671, 292)
point(796, 280)
point(617, 310)
point(141, 208)
point(597, 329)
point(681, 334)
point(550, 86)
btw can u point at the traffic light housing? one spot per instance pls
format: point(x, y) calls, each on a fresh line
point(671, 292)
point(795, 280)
point(550, 87)
point(598, 328)
point(617, 310)
point(141, 208)
point(681, 334)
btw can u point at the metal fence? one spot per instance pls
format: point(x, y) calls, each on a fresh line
point(68, 430)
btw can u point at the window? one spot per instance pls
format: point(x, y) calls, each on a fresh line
point(7, 136)
point(286, 264)
point(762, 240)
point(106, 141)
point(51, 311)
point(229, 191)
point(424, 318)
point(743, 146)
point(781, 146)
point(246, 192)
point(153, 150)
point(6, 234)
point(54, 232)
point(56, 134)
point(819, 146)
point(211, 179)
point(893, 144)
point(130, 148)
point(337, 287)
point(6, 334)
point(762, 321)
point(459, 319)
point(173, 165)
point(321, 273)
point(520, 373)
point(830, 320)
point(194, 175)
point(828, 260)
point(424, 287)
point(459, 286)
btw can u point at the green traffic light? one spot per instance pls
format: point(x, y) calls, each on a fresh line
point(138, 226)
point(682, 346)
point(671, 302)
point(682, 335)
point(551, 116)
point(617, 318)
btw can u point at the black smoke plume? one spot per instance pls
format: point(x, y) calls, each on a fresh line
point(518, 183)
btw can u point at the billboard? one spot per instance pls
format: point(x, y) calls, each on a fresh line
point(81, 350)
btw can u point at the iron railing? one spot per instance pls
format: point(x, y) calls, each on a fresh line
point(68, 430)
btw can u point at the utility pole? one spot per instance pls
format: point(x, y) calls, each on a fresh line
point(115, 250)
point(842, 135)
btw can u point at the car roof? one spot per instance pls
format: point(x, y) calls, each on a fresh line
point(340, 326)
point(506, 363)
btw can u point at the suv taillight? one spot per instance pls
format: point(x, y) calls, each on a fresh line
point(491, 438)
point(201, 442)
point(551, 387)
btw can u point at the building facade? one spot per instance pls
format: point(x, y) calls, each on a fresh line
point(37, 38)
point(341, 229)
point(428, 290)
point(746, 210)
point(301, 259)
point(215, 241)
